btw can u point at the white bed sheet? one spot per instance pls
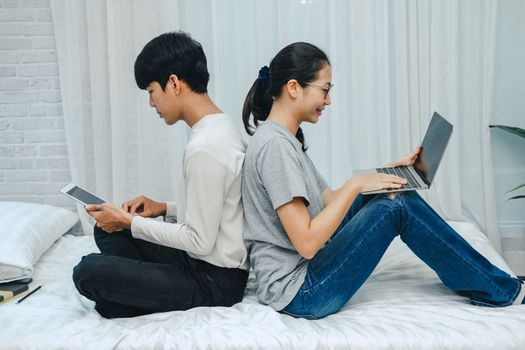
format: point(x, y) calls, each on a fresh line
point(403, 305)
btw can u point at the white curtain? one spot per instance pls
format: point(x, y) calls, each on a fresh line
point(394, 63)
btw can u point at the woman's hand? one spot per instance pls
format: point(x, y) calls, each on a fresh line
point(407, 160)
point(144, 207)
point(376, 181)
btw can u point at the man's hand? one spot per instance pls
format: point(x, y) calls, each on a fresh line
point(109, 217)
point(144, 207)
point(407, 160)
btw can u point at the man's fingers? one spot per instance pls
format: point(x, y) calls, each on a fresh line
point(93, 207)
point(134, 207)
point(95, 215)
point(144, 213)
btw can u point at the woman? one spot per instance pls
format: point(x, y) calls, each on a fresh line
point(312, 247)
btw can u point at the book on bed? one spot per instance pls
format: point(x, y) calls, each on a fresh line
point(12, 289)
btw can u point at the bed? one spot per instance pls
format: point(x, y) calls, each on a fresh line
point(403, 305)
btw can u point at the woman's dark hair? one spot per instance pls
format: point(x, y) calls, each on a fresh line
point(172, 53)
point(299, 61)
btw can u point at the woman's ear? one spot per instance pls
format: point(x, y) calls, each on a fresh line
point(292, 87)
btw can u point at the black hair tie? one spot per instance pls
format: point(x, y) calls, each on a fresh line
point(264, 74)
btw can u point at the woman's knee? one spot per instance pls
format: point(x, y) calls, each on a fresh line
point(412, 196)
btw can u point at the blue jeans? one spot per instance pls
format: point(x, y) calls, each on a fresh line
point(339, 269)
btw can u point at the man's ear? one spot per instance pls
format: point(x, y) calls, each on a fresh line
point(292, 87)
point(174, 84)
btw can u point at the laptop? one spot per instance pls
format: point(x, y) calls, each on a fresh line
point(421, 174)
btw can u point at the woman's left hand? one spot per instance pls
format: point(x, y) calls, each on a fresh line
point(407, 160)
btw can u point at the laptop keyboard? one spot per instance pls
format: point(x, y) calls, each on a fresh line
point(401, 172)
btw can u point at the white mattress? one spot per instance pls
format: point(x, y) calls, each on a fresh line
point(403, 305)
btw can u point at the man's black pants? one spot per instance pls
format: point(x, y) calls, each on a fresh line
point(132, 277)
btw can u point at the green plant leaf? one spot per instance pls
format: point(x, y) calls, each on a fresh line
point(516, 197)
point(513, 130)
point(515, 188)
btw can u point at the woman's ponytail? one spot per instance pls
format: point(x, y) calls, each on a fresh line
point(300, 136)
point(258, 102)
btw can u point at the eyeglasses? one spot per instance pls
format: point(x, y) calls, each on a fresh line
point(326, 90)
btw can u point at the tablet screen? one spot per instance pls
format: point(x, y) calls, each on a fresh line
point(84, 196)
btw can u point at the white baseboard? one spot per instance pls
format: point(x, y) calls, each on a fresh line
point(516, 260)
point(512, 228)
point(513, 245)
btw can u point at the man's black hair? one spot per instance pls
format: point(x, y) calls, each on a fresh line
point(172, 53)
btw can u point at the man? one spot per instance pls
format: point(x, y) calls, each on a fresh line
point(196, 257)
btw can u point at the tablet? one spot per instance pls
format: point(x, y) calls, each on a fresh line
point(81, 195)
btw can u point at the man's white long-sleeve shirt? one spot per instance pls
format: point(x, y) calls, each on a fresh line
point(209, 211)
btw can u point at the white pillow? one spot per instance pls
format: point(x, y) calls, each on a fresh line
point(27, 230)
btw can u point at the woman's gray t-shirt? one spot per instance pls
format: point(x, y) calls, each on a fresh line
point(275, 171)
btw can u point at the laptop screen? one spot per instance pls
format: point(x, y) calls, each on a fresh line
point(433, 148)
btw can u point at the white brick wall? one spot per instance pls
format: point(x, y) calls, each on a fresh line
point(33, 155)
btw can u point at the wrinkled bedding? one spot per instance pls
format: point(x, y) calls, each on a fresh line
point(403, 305)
